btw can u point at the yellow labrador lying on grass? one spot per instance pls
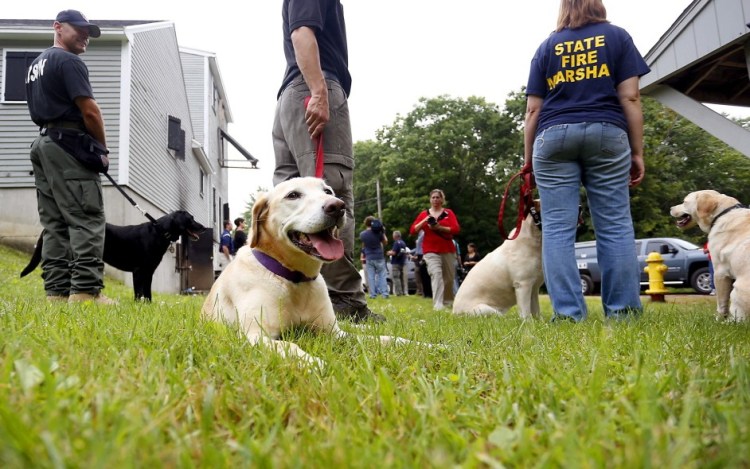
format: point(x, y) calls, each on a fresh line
point(727, 223)
point(274, 282)
point(510, 274)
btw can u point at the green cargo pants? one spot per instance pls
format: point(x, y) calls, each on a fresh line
point(71, 210)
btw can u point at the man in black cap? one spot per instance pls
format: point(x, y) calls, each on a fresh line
point(69, 195)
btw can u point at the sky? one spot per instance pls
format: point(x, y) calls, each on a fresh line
point(399, 51)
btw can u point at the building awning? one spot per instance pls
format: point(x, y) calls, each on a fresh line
point(704, 55)
point(253, 160)
point(704, 58)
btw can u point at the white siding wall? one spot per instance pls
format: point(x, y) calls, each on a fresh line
point(158, 91)
point(194, 68)
point(17, 131)
point(207, 120)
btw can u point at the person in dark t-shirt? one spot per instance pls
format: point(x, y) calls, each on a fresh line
point(240, 235)
point(373, 240)
point(69, 195)
point(313, 108)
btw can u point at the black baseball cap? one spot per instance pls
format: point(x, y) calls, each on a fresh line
point(76, 18)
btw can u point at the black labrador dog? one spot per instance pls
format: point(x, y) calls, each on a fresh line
point(138, 248)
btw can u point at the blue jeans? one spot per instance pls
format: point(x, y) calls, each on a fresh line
point(376, 277)
point(597, 156)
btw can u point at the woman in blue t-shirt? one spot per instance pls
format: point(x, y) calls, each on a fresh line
point(584, 126)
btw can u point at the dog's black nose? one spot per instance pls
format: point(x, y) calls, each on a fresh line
point(334, 208)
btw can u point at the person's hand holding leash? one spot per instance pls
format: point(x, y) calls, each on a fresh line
point(317, 113)
point(527, 175)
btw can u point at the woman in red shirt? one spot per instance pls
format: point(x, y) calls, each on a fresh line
point(439, 225)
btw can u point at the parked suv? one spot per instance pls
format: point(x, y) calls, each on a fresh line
point(687, 264)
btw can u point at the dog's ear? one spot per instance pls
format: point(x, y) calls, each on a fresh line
point(705, 206)
point(260, 212)
point(165, 223)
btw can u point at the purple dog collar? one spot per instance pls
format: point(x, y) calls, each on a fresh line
point(275, 266)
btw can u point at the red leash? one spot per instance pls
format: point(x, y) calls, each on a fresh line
point(319, 156)
point(525, 202)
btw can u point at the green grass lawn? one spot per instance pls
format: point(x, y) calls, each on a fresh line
point(153, 385)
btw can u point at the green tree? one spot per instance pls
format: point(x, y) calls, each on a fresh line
point(471, 148)
point(466, 147)
point(681, 158)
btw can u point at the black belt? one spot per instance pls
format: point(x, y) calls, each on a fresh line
point(65, 125)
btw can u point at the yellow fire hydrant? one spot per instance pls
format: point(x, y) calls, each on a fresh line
point(655, 269)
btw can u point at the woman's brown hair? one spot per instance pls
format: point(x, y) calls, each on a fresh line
point(577, 13)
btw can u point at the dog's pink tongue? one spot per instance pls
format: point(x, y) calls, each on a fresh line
point(327, 246)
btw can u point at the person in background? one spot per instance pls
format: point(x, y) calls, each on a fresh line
point(240, 235)
point(472, 257)
point(416, 257)
point(398, 253)
point(313, 104)
point(584, 126)
point(458, 267)
point(373, 239)
point(439, 226)
point(69, 195)
point(226, 245)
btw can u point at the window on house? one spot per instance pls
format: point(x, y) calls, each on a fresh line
point(225, 210)
point(176, 137)
point(215, 104)
point(16, 67)
point(202, 183)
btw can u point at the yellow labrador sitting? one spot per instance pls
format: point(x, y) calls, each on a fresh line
point(510, 274)
point(727, 223)
point(274, 282)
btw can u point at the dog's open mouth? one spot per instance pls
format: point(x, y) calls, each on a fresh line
point(193, 235)
point(323, 245)
point(684, 220)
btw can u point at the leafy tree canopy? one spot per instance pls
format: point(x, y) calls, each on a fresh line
point(470, 148)
point(466, 147)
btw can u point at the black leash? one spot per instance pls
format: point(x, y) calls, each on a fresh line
point(132, 202)
point(725, 211)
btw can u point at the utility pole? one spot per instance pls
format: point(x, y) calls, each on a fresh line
point(377, 194)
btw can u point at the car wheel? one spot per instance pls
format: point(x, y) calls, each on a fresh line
point(701, 281)
point(587, 285)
